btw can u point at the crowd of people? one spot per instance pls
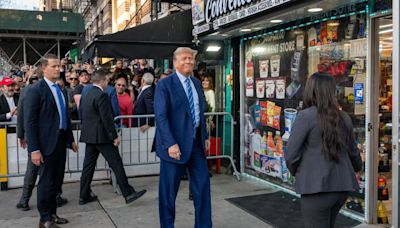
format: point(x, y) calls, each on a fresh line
point(130, 91)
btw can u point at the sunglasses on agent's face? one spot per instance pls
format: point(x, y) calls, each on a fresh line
point(73, 79)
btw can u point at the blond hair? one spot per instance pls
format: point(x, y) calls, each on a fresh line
point(181, 50)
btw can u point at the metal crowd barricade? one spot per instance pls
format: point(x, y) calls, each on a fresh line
point(14, 158)
point(135, 149)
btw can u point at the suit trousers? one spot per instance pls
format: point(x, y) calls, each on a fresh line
point(51, 177)
point(170, 178)
point(110, 153)
point(321, 209)
point(30, 177)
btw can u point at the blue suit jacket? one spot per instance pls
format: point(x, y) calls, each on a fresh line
point(41, 119)
point(173, 118)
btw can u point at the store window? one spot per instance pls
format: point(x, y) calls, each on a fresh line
point(277, 65)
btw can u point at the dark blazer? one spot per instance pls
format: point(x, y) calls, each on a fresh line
point(4, 109)
point(96, 117)
point(41, 119)
point(144, 105)
point(173, 118)
point(314, 171)
point(20, 116)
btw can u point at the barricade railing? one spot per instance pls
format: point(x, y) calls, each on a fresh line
point(136, 133)
point(141, 129)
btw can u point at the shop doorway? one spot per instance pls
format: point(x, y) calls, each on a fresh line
point(381, 109)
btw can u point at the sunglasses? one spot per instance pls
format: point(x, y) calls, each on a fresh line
point(122, 85)
point(73, 79)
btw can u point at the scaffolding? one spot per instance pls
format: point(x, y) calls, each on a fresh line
point(26, 36)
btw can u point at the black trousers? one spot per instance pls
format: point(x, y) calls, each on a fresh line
point(110, 153)
point(30, 177)
point(321, 209)
point(51, 176)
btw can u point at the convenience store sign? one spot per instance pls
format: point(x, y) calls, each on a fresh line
point(228, 11)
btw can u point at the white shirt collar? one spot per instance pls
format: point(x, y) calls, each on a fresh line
point(49, 83)
point(145, 87)
point(98, 87)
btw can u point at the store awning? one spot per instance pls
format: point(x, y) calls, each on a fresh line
point(156, 39)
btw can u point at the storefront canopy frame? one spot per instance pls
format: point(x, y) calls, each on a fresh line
point(157, 39)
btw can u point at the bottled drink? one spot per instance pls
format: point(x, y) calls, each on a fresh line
point(279, 144)
point(271, 145)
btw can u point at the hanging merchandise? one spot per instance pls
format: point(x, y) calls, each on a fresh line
point(260, 88)
point(275, 65)
point(280, 88)
point(249, 77)
point(300, 42)
point(333, 30)
point(312, 37)
point(264, 113)
point(277, 118)
point(270, 88)
point(323, 33)
point(257, 114)
point(361, 27)
point(264, 65)
point(351, 27)
point(270, 112)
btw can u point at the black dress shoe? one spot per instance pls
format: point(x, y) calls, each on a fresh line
point(134, 196)
point(88, 200)
point(23, 206)
point(61, 201)
point(48, 224)
point(59, 220)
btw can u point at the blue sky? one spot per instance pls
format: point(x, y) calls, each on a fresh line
point(21, 4)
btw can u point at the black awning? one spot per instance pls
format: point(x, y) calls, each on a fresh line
point(156, 39)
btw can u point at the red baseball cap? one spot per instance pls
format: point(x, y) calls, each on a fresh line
point(7, 81)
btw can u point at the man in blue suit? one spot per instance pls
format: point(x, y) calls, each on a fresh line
point(180, 137)
point(48, 134)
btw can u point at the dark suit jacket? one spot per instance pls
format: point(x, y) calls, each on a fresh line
point(20, 116)
point(144, 105)
point(41, 119)
point(4, 109)
point(315, 172)
point(96, 117)
point(173, 118)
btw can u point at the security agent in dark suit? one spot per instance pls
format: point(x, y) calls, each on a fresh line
point(48, 134)
point(144, 104)
point(32, 170)
point(100, 136)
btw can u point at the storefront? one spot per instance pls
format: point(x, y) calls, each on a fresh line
point(276, 46)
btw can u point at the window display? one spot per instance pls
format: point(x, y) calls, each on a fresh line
point(277, 66)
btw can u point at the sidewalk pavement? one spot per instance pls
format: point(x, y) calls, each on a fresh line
point(111, 211)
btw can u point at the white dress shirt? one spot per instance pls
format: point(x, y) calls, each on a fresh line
point(55, 96)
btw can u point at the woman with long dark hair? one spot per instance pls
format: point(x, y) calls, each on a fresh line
point(322, 154)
